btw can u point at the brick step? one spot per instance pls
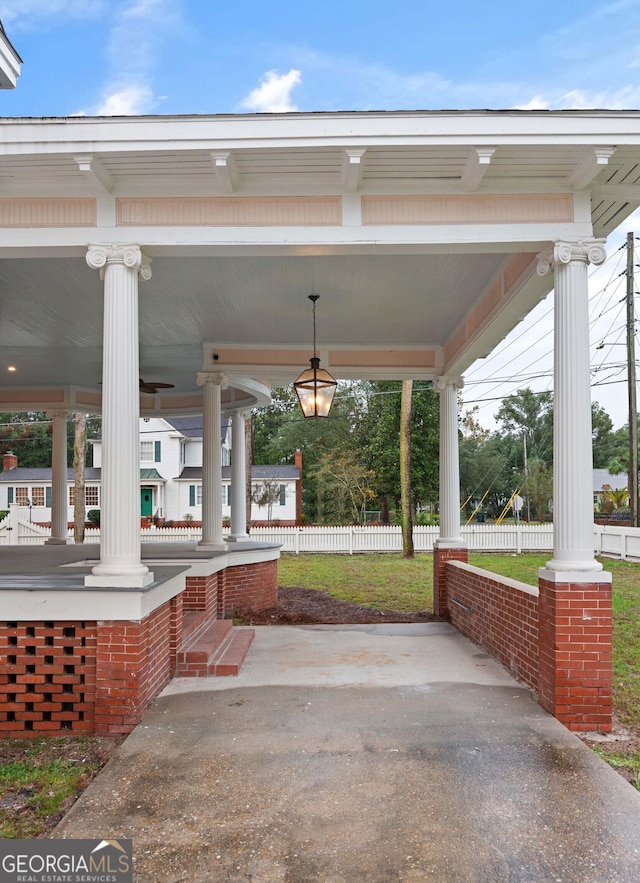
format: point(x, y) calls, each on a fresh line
point(220, 649)
point(193, 623)
point(234, 652)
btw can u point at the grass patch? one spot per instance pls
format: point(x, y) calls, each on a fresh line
point(384, 582)
point(41, 778)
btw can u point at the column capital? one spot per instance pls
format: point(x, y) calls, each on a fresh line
point(204, 377)
point(447, 382)
point(131, 256)
point(588, 251)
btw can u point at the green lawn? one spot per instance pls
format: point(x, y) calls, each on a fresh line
point(389, 581)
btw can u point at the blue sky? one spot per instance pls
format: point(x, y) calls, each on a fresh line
point(203, 56)
point(208, 56)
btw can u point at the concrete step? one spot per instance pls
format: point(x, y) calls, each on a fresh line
point(219, 649)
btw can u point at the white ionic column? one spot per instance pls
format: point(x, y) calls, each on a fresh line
point(450, 534)
point(120, 560)
point(211, 462)
point(59, 491)
point(573, 546)
point(238, 479)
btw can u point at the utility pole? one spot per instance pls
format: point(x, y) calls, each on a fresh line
point(631, 382)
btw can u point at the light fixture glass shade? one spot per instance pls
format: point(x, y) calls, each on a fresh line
point(315, 388)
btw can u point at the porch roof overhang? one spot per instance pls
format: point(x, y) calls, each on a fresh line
point(420, 231)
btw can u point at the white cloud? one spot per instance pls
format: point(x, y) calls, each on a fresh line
point(137, 40)
point(273, 95)
point(536, 103)
point(130, 101)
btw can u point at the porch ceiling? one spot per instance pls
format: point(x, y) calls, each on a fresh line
point(240, 286)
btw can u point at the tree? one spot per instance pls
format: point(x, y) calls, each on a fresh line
point(344, 488)
point(405, 469)
point(537, 487)
point(266, 494)
point(378, 433)
point(280, 429)
point(527, 419)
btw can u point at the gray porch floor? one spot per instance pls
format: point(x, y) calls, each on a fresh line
point(374, 754)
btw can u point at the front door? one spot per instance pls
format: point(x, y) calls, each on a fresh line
point(146, 501)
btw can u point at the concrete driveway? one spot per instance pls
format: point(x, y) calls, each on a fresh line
point(362, 754)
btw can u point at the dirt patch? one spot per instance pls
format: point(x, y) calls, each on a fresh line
point(310, 606)
point(611, 746)
point(70, 762)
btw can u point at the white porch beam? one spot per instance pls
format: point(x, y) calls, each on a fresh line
point(477, 164)
point(352, 168)
point(225, 171)
point(589, 167)
point(94, 167)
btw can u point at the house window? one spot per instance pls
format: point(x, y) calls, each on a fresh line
point(91, 496)
point(37, 496)
point(183, 452)
point(195, 495)
point(198, 495)
point(146, 452)
point(22, 496)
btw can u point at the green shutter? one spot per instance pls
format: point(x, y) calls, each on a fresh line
point(192, 494)
point(9, 496)
point(283, 494)
point(156, 451)
point(228, 495)
point(47, 494)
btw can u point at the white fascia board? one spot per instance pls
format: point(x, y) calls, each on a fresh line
point(347, 130)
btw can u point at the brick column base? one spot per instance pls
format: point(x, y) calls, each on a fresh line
point(575, 656)
point(442, 554)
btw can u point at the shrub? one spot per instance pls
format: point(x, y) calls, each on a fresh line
point(93, 515)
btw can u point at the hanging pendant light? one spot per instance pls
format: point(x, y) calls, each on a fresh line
point(315, 386)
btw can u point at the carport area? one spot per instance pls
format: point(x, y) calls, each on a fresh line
point(378, 754)
point(183, 250)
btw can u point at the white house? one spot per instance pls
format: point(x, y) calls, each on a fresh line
point(170, 478)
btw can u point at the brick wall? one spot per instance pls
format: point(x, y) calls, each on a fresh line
point(498, 615)
point(47, 677)
point(251, 587)
point(133, 663)
point(201, 593)
point(558, 641)
point(60, 677)
point(576, 654)
point(441, 556)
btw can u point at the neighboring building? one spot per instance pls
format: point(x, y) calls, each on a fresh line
point(170, 478)
point(604, 481)
point(10, 62)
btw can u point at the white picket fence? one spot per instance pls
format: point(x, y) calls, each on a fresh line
point(609, 540)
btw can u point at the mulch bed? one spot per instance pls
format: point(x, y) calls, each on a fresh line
point(306, 606)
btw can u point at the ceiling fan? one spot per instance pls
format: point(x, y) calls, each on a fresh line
point(152, 388)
